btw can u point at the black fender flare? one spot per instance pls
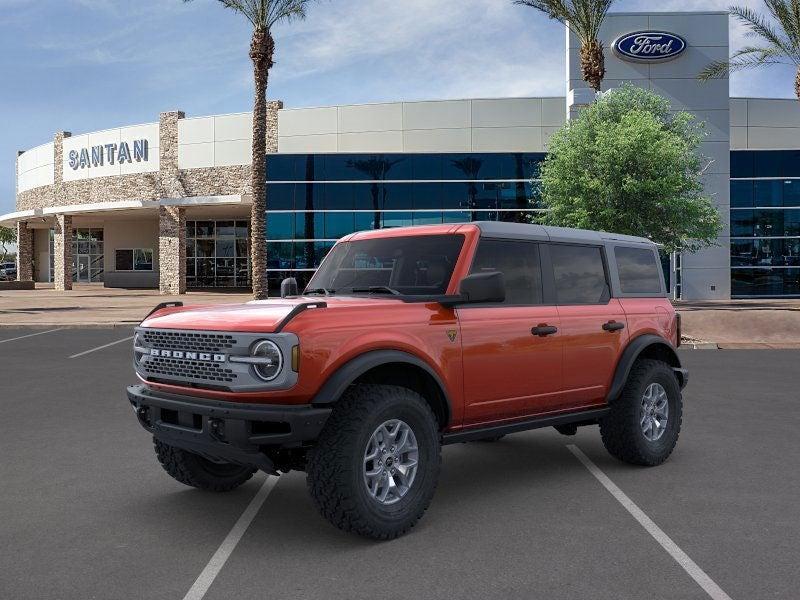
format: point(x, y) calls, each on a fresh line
point(345, 375)
point(632, 352)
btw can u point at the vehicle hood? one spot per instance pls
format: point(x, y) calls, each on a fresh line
point(261, 316)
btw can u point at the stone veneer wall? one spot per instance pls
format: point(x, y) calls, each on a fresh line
point(24, 252)
point(62, 251)
point(172, 250)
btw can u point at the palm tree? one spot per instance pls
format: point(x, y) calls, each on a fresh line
point(780, 42)
point(584, 19)
point(262, 15)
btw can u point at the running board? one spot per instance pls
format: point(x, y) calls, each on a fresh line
point(479, 433)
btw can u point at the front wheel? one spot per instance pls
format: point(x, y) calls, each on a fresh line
point(376, 464)
point(645, 421)
point(195, 471)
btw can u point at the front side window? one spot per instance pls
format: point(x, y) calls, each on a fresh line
point(520, 266)
point(638, 271)
point(418, 265)
point(579, 273)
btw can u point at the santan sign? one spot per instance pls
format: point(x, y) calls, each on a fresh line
point(97, 156)
point(649, 46)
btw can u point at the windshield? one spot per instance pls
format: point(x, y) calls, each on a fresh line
point(418, 265)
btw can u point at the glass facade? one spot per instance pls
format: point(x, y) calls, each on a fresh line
point(217, 254)
point(315, 199)
point(765, 223)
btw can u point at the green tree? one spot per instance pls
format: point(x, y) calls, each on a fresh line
point(778, 37)
point(8, 236)
point(584, 19)
point(628, 165)
point(263, 15)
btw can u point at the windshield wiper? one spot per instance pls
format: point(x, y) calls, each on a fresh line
point(323, 291)
point(376, 289)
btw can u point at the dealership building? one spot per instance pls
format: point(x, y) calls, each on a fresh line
point(167, 204)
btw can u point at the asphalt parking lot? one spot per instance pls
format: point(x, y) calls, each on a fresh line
point(88, 513)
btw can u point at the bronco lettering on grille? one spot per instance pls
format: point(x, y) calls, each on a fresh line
point(185, 355)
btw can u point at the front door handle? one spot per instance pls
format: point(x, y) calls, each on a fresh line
point(544, 330)
point(613, 326)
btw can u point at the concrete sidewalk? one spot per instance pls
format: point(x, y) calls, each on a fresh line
point(92, 305)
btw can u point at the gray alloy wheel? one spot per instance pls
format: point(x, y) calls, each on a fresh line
point(390, 461)
point(654, 412)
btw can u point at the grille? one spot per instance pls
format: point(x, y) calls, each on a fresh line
point(189, 369)
point(185, 340)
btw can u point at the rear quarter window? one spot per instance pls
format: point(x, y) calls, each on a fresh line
point(638, 271)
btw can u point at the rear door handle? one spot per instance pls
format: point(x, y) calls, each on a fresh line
point(544, 330)
point(613, 326)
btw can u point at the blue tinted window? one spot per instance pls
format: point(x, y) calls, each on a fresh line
point(791, 193)
point(367, 220)
point(741, 194)
point(427, 195)
point(339, 196)
point(742, 223)
point(768, 193)
point(455, 195)
point(426, 166)
point(463, 166)
point(791, 224)
point(366, 196)
point(280, 226)
point(427, 218)
point(765, 282)
point(768, 164)
point(309, 226)
point(528, 164)
point(742, 164)
point(457, 216)
point(309, 196)
point(338, 225)
point(396, 196)
point(281, 167)
point(280, 255)
point(280, 196)
point(778, 253)
point(397, 219)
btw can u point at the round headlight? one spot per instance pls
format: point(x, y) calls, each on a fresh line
point(271, 361)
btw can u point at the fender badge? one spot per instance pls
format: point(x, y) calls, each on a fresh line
point(452, 333)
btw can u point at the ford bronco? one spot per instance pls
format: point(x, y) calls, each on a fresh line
point(408, 339)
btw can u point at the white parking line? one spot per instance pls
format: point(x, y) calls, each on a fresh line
point(214, 566)
point(22, 337)
point(688, 565)
point(101, 347)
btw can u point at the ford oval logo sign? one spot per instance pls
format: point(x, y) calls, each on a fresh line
point(649, 46)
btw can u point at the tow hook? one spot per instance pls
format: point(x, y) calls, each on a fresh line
point(143, 414)
point(216, 428)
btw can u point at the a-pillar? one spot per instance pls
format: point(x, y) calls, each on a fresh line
point(62, 253)
point(171, 250)
point(24, 252)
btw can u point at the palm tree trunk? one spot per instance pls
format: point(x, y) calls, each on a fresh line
point(593, 66)
point(797, 84)
point(262, 48)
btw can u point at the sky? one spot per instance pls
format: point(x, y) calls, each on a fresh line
point(86, 65)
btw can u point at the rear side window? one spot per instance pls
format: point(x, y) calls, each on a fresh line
point(638, 271)
point(580, 276)
point(519, 264)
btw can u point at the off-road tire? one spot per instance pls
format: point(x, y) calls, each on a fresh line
point(621, 431)
point(196, 471)
point(335, 465)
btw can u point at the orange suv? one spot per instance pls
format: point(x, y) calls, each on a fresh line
point(408, 339)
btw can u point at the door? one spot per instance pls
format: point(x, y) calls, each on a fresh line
point(83, 268)
point(593, 325)
point(510, 371)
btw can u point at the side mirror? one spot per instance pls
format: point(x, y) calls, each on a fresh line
point(289, 287)
point(479, 288)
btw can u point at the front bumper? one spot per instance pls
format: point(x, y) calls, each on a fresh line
point(225, 430)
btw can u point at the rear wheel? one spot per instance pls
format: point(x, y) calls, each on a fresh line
point(376, 464)
point(194, 470)
point(645, 421)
